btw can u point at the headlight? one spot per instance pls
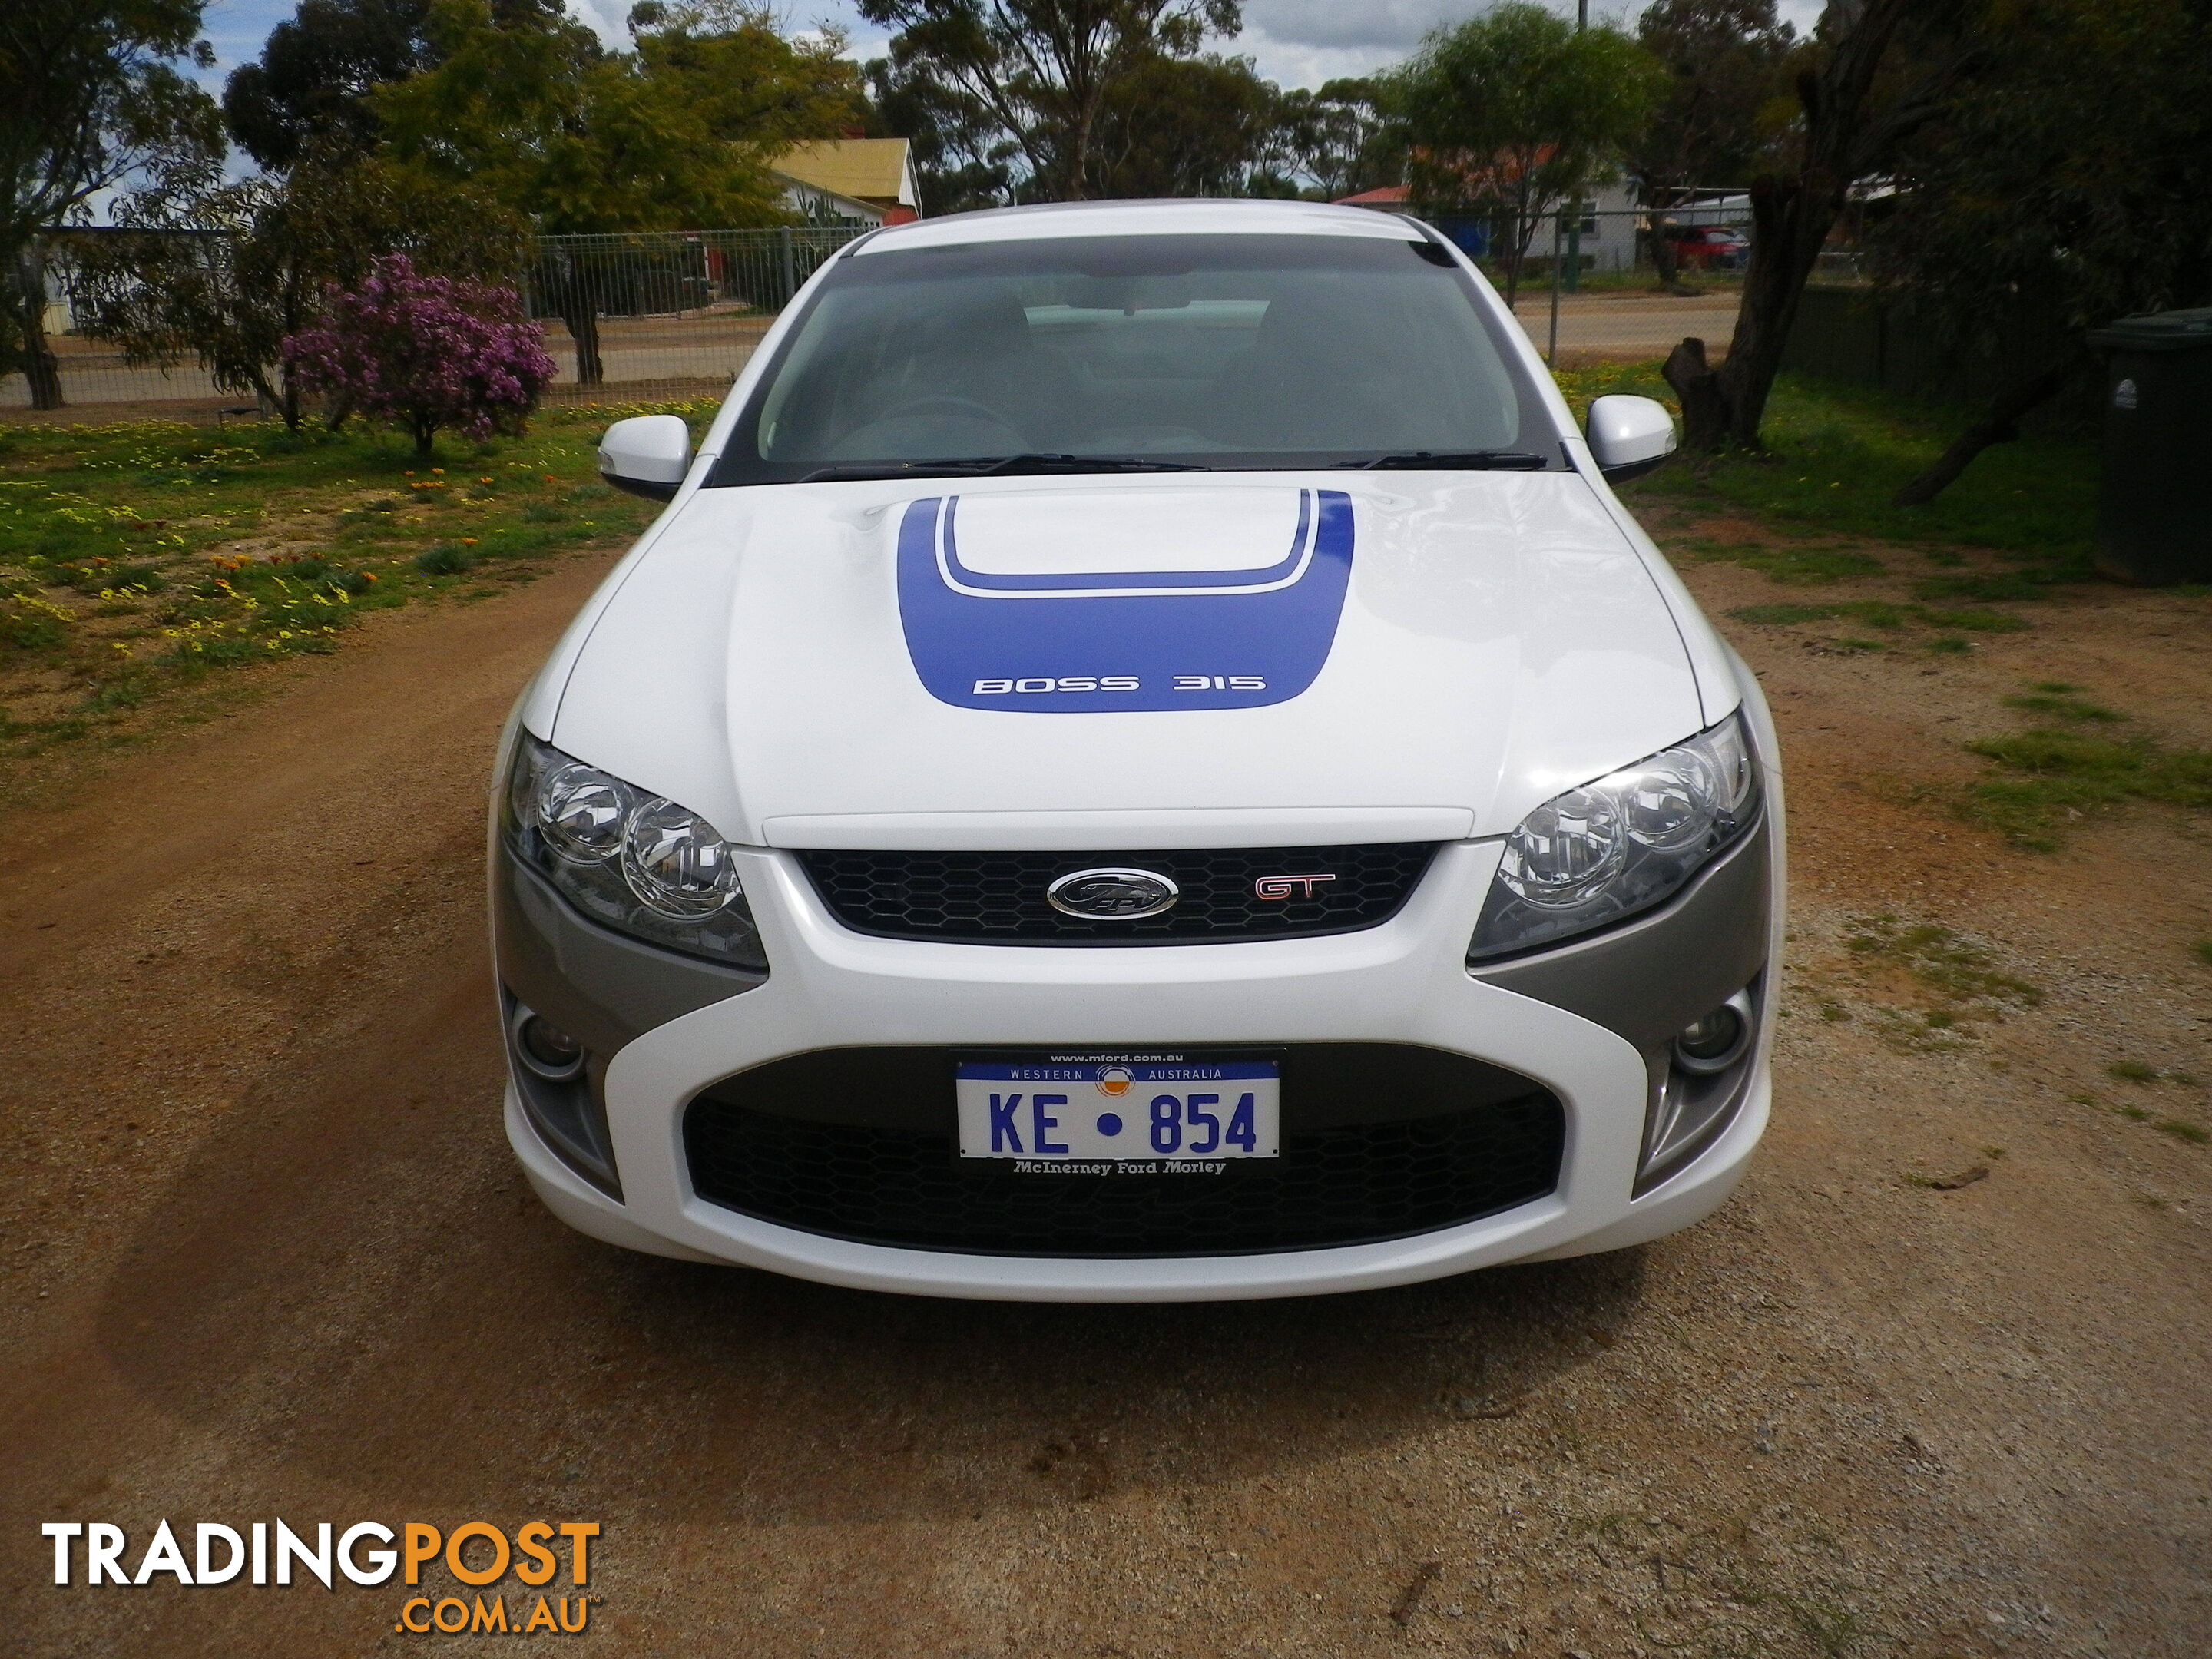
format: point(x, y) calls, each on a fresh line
point(632, 861)
point(1619, 845)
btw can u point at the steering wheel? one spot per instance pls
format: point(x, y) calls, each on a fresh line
point(961, 405)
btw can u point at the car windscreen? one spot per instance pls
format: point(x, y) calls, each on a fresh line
point(1237, 351)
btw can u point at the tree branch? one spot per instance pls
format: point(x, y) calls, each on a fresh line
point(1999, 424)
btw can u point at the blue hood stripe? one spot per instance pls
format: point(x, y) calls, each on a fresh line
point(1069, 644)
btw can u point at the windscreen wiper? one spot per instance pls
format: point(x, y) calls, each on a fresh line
point(1465, 461)
point(994, 466)
point(1017, 463)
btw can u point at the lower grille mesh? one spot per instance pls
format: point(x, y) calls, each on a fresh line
point(1335, 1184)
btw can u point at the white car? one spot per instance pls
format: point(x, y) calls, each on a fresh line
point(1142, 762)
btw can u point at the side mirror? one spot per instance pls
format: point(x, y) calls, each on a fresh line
point(1628, 436)
point(648, 455)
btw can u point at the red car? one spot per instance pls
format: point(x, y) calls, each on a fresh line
point(1710, 248)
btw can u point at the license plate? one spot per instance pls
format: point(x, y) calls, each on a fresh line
point(1168, 1112)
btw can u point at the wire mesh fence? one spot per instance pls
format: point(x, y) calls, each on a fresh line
point(626, 317)
point(633, 317)
point(1630, 282)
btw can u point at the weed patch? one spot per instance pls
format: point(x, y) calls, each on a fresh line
point(1879, 613)
point(2049, 778)
point(1797, 564)
point(2063, 701)
point(445, 559)
point(138, 557)
point(2032, 584)
point(1963, 974)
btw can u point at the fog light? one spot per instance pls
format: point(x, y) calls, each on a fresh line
point(546, 1048)
point(1713, 1042)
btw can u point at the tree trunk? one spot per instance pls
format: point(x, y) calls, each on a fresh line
point(1666, 258)
point(40, 368)
point(1704, 416)
point(569, 278)
point(1999, 424)
point(582, 318)
point(1792, 215)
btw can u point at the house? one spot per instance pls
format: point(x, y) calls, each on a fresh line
point(868, 181)
point(1610, 221)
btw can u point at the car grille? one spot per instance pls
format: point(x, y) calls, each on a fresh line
point(1443, 1140)
point(999, 897)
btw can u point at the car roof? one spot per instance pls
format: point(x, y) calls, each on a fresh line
point(1056, 220)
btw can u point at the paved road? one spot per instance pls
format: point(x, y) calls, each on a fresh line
point(1634, 327)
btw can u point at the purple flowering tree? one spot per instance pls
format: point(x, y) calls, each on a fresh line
point(425, 353)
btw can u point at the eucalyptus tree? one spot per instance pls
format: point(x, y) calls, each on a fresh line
point(1513, 114)
point(92, 93)
point(1044, 72)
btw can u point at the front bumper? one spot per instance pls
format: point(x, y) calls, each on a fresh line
point(1403, 982)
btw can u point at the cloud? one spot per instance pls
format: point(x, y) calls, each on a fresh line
point(1389, 27)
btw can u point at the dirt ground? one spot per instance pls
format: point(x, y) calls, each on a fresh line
point(266, 1255)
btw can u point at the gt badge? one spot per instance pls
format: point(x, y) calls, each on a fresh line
point(1283, 887)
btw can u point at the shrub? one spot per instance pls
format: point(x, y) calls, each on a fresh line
point(426, 352)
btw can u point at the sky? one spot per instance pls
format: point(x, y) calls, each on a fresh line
point(1296, 43)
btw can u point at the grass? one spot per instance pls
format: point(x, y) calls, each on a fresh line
point(2063, 701)
point(2202, 949)
point(2132, 1070)
point(1836, 455)
point(2049, 777)
point(1882, 614)
point(1795, 564)
point(138, 558)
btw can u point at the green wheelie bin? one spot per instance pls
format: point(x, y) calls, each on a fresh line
point(2154, 512)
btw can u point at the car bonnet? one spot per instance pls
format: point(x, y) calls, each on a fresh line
point(856, 663)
